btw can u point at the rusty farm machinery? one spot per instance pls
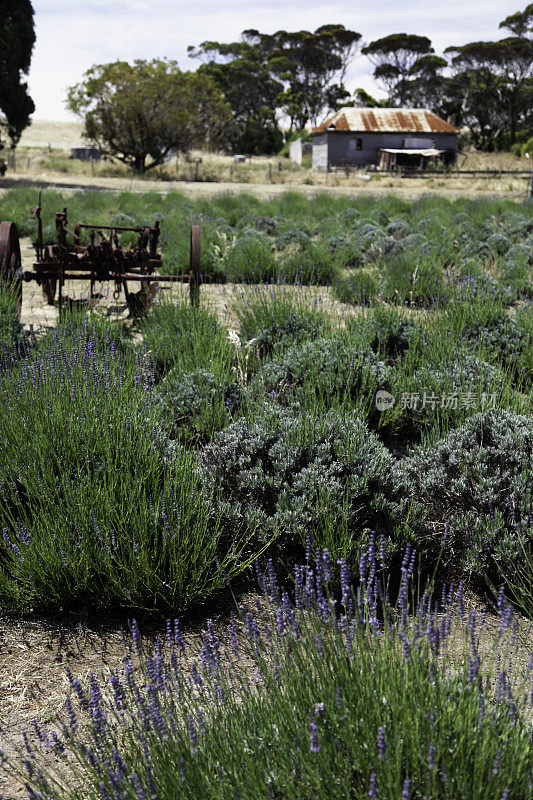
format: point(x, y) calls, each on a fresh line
point(100, 258)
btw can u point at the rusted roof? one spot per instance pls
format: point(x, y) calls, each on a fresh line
point(386, 120)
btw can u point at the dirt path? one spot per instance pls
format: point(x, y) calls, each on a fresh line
point(221, 299)
point(410, 189)
point(35, 652)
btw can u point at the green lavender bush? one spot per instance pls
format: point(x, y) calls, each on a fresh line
point(478, 482)
point(91, 510)
point(288, 476)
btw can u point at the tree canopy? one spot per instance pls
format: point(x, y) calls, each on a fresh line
point(521, 23)
point(17, 37)
point(242, 91)
point(397, 58)
point(299, 74)
point(143, 112)
point(492, 83)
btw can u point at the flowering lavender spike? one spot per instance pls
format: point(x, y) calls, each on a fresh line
point(178, 636)
point(381, 744)
point(431, 757)
point(373, 786)
point(136, 637)
point(382, 551)
point(193, 737)
point(73, 722)
point(406, 793)
point(140, 794)
point(313, 738)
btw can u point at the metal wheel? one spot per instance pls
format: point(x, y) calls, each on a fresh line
point(11, 261)
point(194, 279)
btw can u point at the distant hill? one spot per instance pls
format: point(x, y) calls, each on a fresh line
point(62, 135)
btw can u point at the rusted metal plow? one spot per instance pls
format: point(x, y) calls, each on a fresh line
point(103, 258)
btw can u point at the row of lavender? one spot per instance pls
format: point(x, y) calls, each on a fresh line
point(149, 477)
point(354, 695)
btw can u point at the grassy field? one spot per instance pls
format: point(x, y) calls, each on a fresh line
point(355, 453)
point(44, 149)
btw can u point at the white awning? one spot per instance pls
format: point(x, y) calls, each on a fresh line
point(430, 151)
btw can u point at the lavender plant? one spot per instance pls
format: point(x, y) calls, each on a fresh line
point(478, 480)
point(90, 508)
point(346, 697)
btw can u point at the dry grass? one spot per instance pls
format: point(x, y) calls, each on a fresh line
point(44, 148)
point(45, 134)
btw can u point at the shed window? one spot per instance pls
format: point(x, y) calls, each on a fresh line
point(355, 144)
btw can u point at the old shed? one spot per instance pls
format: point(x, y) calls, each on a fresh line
point(385, 137)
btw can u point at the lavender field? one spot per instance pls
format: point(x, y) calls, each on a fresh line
point(354, 480)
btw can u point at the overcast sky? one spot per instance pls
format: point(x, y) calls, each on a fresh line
point(72, 35)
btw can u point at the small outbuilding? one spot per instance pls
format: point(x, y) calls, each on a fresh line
point(85, 153)
point(385, 137)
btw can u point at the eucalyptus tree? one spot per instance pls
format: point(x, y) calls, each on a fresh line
point(298, 74)
point(397, 59)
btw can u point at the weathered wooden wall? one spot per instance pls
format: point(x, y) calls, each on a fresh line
point(338, 148)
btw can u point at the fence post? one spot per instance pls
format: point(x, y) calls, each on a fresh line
point(194, 275)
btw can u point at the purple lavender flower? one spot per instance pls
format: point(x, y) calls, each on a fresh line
point(261, 577)
point(252, 629)
point(382, 551)
point(373, 786)
point(40, 734)
point(280, 620)
point(140, 794)
point(474, 665)
point(363, 563)
point(381, 744)
point(136, 636)
point(27, 745)
point(96, 707)
point(431, 757)
point(272, 580)
point(327, 564)
point(313, 737)
point(178, 636)
point(193, 737)
point(73, 722)
point(406, 793)
point(346, 599)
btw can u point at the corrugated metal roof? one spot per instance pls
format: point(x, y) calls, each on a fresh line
point(386, 120)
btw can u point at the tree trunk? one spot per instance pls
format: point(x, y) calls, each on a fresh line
point(139, 163)
point(513, 120)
